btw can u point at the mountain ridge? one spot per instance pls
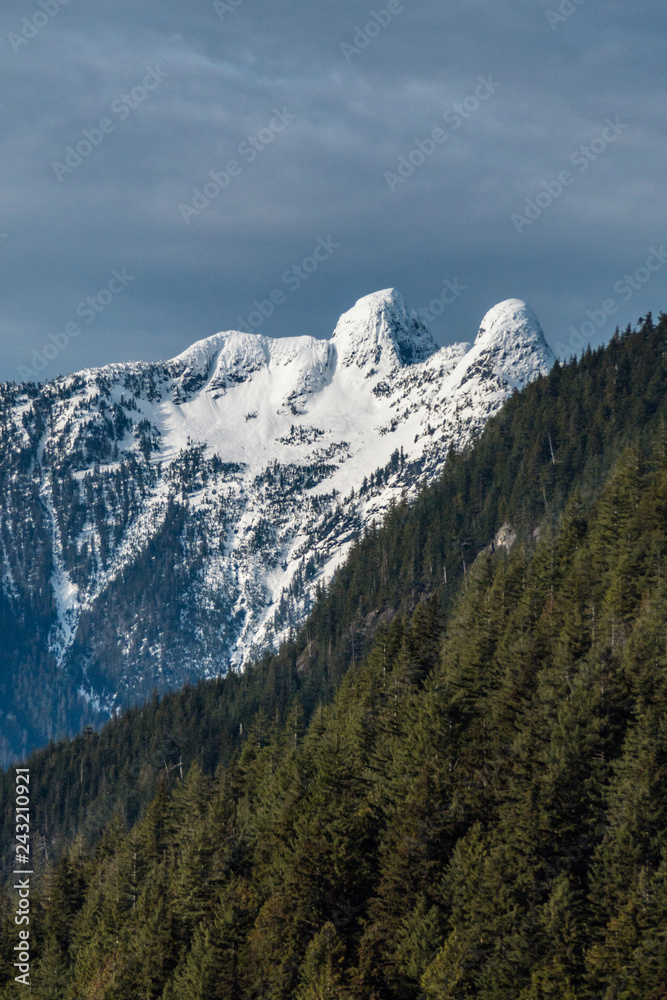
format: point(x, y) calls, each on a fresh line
point(224, 486)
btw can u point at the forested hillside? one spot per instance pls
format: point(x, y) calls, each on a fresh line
point(450, 784)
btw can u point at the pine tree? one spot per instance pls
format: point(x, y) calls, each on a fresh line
point(322, 974)
point(197, 978)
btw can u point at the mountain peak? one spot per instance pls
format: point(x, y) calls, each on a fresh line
point(250, 463)
point(509, 319)
point(379, 330)
point(511, 339)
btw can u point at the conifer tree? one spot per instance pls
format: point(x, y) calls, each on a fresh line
point(322, 972)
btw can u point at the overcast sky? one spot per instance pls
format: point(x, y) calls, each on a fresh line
point(305, 112)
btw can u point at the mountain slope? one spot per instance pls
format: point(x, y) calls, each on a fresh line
point(481, 809)
point(184, 513)
point(562, 433)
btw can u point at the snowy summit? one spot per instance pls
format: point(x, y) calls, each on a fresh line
point(241, 471)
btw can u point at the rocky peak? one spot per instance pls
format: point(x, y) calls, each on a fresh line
point(511, 341)
point(378, 331)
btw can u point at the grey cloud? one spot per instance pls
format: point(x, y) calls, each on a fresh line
point(325, 173)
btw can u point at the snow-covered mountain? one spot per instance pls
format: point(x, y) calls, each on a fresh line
point(163, 521)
